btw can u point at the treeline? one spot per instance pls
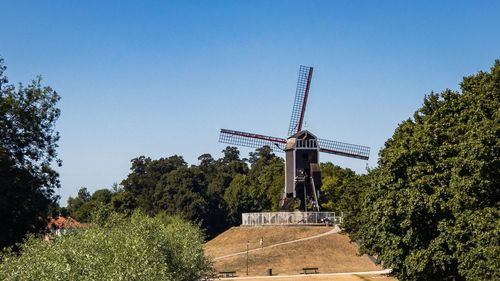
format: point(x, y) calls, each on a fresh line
point(213, 193)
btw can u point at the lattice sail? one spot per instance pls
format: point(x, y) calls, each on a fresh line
point(301, 94)
point(344, 149)
point(251, 140)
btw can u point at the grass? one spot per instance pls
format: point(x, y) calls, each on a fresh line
point(235, 239)
point(332, 253)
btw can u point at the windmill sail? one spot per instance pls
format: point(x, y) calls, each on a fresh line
point(251, 140)
point(344, 149)
point(301, 94)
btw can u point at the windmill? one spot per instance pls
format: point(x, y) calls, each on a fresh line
point(301, 148)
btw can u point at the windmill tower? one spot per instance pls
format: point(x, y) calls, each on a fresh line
point(301, 147)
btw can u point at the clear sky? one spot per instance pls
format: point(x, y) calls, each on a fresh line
point(159, 78)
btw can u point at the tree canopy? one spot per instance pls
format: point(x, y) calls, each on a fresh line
point(135, 248)
point(213, 193)
point(431, 209)
point(28, 142)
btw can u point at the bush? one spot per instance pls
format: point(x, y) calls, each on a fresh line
point(135, 248)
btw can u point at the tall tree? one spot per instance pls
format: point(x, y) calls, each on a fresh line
point(266, 179)
point(337, 184)
point(84, 205)
point(182, 192)
point(28, 142)
point(145, 174)
point(76, 203)
point(237, 197)
point(432, 209)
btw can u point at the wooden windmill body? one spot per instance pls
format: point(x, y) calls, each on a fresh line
point(302, 148)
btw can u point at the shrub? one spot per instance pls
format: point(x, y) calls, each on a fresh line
point(135, 248)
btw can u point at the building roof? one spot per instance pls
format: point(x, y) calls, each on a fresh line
point(298, 139)
point(66, 223)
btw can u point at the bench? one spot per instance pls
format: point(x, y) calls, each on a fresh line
point(310, 270)
point(227, 273)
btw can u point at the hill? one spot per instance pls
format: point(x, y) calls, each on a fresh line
point(286, 250)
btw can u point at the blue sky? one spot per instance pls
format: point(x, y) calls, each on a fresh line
point(159, 78)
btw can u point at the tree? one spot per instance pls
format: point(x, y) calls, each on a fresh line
point(102, 196)
point(231, 153)
point(266, 179)
point(75, 204)
point(28, 142)
point(219, 175)
point(134, 248)
point(182, 192)
point(270, 184)
point(146, 173)
point(431, 208)
point(237, 197)
point(337, 186)
point(84, 205)
point(123, 202)
point(208, 193)
point(207, 164)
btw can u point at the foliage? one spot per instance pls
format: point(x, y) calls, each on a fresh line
point(208, 193)
point(237, 197)
point(337, 183)
point(28, 143)
point(182, 192)
point(135, 248)
point(260, 189)
point(74, 204)
point(123, 202)
point(431, 208)
point(145, 175)
point(83, 205)
point(266, 178)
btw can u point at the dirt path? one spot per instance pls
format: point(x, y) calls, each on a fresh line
point(336, 229)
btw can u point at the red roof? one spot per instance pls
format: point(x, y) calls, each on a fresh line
point(66, 223)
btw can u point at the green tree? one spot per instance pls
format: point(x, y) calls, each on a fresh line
point(219, 175)
point(231, 153)
point(266, 179)
point(123, 202)
point(237, 197)
point(83, 205)
point(337, 186)
point(135, 248)
point(74, 204)
point(28, 142)
point(182, 192)
point(431, 209)
point(102, 196)
point(270, 184)
point(144, 176)
point(207, 165)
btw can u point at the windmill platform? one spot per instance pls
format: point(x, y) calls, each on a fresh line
point(296, 218)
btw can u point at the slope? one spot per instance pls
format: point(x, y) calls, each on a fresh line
point(286, 250)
